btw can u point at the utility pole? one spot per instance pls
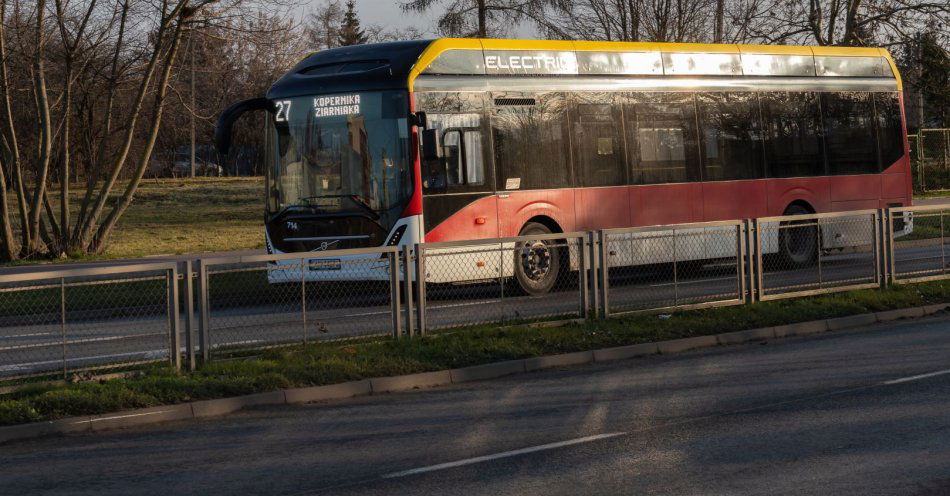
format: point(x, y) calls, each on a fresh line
point(192, 103)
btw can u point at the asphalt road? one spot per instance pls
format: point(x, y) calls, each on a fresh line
point(36, 342)
point(841, 413)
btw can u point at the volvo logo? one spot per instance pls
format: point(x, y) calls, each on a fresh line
point(326, 245)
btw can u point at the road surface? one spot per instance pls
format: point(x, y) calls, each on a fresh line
point(842, 413)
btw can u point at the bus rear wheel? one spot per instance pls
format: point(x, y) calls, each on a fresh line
point(798, 246)
point(537, 262)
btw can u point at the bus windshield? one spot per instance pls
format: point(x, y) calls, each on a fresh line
point(340, 152)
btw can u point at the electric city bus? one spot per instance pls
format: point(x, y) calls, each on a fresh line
point(458, 139)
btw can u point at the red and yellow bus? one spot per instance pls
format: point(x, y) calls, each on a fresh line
point(455, 139)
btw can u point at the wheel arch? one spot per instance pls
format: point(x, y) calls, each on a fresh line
point(545, 221)
point(799, 203)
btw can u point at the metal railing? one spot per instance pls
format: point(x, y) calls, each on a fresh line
point(65, 323)
point(254, 302)
point(672, 267)
point(923, 254)
point(475, 282)
point(932, 169)
point(802, 255)
point(69, 322)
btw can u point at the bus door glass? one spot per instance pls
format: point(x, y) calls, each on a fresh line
point(458, 203)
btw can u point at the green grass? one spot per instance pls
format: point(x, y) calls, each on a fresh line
point(328, 363)
point(175, 216)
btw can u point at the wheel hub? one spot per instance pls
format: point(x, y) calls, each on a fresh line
point(536, 260)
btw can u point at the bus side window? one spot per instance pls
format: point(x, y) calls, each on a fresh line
point(793, 146)
point(848, 118)
point(663, 126)
point(597, 136)
point(462, 166)
point(531, 141)
point(731, 135)
point(890, 136)
point(474, 157)
point(452, 155)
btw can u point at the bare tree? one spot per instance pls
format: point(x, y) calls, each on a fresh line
point(481, 18)
point(100, 65)
point(323, 25)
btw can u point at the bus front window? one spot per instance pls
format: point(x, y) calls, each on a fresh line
point(340, 152)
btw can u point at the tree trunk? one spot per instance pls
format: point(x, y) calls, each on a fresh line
point(159, 107)
point(482, 30)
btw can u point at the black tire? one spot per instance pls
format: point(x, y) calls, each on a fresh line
point(798, 246)
point(537, 263)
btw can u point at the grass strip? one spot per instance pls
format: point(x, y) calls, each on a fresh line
point(329, 363)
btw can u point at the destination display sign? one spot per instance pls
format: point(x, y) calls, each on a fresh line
point(329, 106)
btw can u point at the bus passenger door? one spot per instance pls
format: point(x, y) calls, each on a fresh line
point(458, 203)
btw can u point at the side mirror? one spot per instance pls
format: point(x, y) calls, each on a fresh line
point(431, 144)
point(418, 119)
point(222, 129)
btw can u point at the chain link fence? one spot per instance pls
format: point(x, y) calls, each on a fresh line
point(922, 254)
point(800, 255)
point(672, 267)
point(522, 279)
point(72, 322)
point(261, 301)
point(931, 147)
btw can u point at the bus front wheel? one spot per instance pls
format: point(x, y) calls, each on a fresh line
point(537, 262)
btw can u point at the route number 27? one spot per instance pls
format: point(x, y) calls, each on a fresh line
point(283, 111)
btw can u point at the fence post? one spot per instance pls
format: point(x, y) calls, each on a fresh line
point(741, 256)
point(594, 275)
point(62, 318)
point(421, 288)
point(582, 277)
point(921, 160)
point(189, 307)
point(394, 293)
point(407, 286)
point(749, 261)
point(204, 330)
point(303, 299)
point(759, 268)
point(174, 318)
point(891, 267)
point(604, 274)
point(880, 244)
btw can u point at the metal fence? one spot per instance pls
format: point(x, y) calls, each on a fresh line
point(260, 301)
point(932, 167)
point(67, 322)
point(800, 255)
point(63, 323)
point(672, 267)
point(921, 255)
point(476, 282)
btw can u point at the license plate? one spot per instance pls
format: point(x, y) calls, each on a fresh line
point(324, 264)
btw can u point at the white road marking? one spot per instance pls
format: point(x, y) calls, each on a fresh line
point(916, 377)
point(504, 454)
point(27, 335)
point(123, 416)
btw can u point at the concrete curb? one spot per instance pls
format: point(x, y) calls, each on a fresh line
point(365, 387)
point(685, 344)
point(563, 360)
point(411, 381)
point(331, 392)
